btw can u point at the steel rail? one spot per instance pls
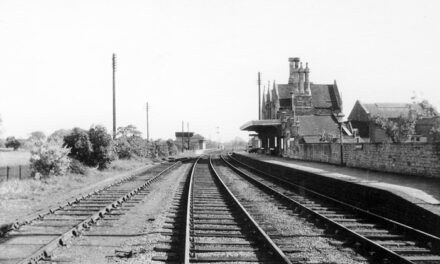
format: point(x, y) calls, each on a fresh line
point(62, 240)
point(371, 244)
point(432, 241)
point(5, 228)
point(278, 253)
point(186, 256)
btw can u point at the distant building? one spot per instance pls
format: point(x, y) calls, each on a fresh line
point(190, 141)
point(299, 111)
point(363, 114)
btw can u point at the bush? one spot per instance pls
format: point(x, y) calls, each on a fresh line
point(80, 146)
point(123, 148)
point(12, 142)
point(161, 148)
point(50, 159)
point(77, 167)
point(92, 148)
point(102, 143)
point(172, 148)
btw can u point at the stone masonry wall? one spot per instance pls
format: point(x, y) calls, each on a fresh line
point(419, 159)
point(327, 153)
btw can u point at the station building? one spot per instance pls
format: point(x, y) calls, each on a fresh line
point(189, 141)
point(298, 112)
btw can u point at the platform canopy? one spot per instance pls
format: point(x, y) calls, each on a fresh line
point(256, 125)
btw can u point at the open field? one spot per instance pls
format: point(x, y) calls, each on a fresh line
point(19, 198)
point(13, 158)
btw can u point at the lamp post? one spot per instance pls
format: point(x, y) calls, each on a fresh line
point(340, 118)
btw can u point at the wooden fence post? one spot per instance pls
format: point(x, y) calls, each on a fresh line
point(19, 172)
point(7, 173)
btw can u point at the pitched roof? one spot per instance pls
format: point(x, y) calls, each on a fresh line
point(323, 95)
point(316, 125)
point(390, 110)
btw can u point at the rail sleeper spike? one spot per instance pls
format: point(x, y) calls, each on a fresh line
point(101, 214)
point(75, 232)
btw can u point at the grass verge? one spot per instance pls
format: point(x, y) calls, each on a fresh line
point(19, 198)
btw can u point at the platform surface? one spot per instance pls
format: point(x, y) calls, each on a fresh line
point(422, 191)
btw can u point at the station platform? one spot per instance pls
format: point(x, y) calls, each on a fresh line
point(419, 191)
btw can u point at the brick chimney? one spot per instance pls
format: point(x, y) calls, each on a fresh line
point(307, 81)
point(293, 65)
point(301, 79)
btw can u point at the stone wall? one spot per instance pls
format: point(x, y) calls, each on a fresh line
point(328, 153)
point(419, 159)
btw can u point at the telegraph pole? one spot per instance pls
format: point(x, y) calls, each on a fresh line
point(259, 96)
point(187, 128)
point(183, 140)
point(114, 95)
point(148, 125)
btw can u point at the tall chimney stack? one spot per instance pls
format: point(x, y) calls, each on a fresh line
point(307, 81)
point(291, 69)
point(301, 79)
point(296, 75)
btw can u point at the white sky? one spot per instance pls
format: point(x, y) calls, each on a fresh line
point(197, 61)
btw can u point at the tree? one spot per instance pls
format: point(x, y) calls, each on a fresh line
point(130, 144)
point(128, 131)
point(12, 142)
point(37, 136)
point(425, 108)
point(399, 129)
point(101, 147)
point(79, 143)
point(58, 135)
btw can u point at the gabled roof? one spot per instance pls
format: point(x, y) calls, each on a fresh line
point(390, 110)
point(323, 95)
point(310, 125)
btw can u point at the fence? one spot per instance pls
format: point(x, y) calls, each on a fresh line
point(15, 172)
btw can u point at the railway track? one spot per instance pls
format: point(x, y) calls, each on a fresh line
point(35, 239)
point(381, 239)
point(213, 226)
